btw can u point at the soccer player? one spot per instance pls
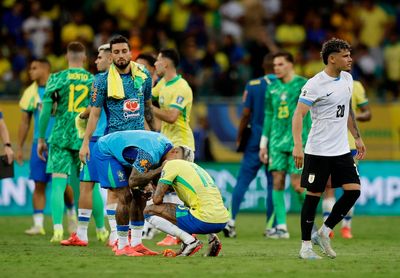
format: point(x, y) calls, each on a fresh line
point(327, 152)
point(70, 89)
point(360, 104)
point(175, 99)
point(5, 137)
point(90, 196)
point(276, 142)
point(31, 104)
point(148, 61)
point(127, 158)
point(253, 115)
point(203, 211)
point(124, 92)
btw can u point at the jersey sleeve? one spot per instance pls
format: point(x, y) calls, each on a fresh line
point(308, 94)
point(155, 92)
point(99, 91)
point(54, 84)
point(268, 115)
point(247, 97)
point(143, 161)
point(169, 173)
point(181, 98)
point(359, 94)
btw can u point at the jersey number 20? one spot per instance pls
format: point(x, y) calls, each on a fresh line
point(340, 111)
point(73, 105)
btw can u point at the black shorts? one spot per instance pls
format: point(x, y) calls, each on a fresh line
point(317, 170)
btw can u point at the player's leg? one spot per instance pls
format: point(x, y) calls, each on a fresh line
point(314, 176)
point(328, 200)
point(270, 213)
point(98, 213)
point(111, 208)
point(164, 218)
point(59, 164)
point(138, 204)
point(248, 170)
point(70, 206)
point(41, 178)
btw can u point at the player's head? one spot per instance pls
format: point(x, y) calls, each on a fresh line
point(39, 69)
point(76, 52)
point(283, 63)
point(148, 61)
point(103, 60)
point(180, 152)
point(120, 52)
point(167, 59)
point(336, 52)
point(267, 64)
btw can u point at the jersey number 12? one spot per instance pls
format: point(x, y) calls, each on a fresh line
point(73, 105)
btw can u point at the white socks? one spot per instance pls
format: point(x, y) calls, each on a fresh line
point(38, 219)
point(169, 228)
point(83, 223)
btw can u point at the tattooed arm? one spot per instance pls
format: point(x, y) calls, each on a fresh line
point(148, 115)
point(352, 126)
point(137, 179)
point(158, 195)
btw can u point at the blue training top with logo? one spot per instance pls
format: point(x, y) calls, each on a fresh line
point(150, 147)
point(102, 123)
point(253, 99)
point(126, 113)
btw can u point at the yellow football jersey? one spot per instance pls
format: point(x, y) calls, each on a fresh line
point(358, 99)
point(196, 189)
point(176, 93)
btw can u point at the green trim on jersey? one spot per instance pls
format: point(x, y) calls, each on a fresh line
point(185, 183)
point(111, 177)
point(167, 182)
point(176, 106)
point(362, 104)
point(173, 80)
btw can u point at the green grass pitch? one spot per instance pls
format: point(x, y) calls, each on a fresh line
point(374, 252)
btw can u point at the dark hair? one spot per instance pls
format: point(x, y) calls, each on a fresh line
point(148, 57)
point(119, 39)
point(285, 54)
point(42, 61)
point(268, 62)
point(76, 47)
point(171, 54)
point(333, 45)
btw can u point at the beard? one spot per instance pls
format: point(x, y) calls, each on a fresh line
point(122, 65)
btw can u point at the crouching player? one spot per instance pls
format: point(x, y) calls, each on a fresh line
point(203, 211)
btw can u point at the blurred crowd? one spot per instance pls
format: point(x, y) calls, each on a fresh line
point(222, 42)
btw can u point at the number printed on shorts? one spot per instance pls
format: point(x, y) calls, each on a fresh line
point(73, 105)
point(340, 111)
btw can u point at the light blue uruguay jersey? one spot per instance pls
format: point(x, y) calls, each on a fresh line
point(149, 147)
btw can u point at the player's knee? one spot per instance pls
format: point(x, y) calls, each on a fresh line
point(148, 211)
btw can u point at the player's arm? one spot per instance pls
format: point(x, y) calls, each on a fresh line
point(355, 132)
point(160, 192)
point(44, 119)
point(23, 133)
point(84, 152)
point(244, 121)
point(297, 130)
point(167, 115)
point(140, 180)
point(5, 137)
point(148, 114)
point(263, 153)
point(365, 114)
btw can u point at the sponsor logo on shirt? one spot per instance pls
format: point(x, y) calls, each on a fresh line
point(131, 108)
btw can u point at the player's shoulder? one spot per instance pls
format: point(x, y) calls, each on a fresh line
point(255, 82)
point(315, 80)
point(184, 85)
point(346, 76)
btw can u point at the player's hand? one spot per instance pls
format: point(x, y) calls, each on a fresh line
point(84, 153)
point(10, 154)
point(361, 149)
point(298, 156)
point(19, 156)
point(263, 155)
point(42, 149)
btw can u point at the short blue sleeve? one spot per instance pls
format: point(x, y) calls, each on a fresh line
point(99, 91)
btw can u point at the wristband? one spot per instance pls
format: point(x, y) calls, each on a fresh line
point(7, 145)
point(263, 142)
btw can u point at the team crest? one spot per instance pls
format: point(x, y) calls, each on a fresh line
point(121, 176)
point(179, 99)
point(311, 178)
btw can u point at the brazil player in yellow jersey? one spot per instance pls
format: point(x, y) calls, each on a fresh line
point(360, 106)
point(203, 211)
point(175, 98)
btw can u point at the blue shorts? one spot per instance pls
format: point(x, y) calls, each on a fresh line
point(190, 224)
point(37, 167)
point(353, 153)
point(111, 173)
point(89, 171)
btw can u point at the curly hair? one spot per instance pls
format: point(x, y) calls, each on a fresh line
point(333, 45)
